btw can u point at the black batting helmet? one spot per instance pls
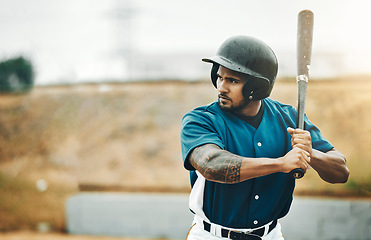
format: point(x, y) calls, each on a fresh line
point(251, 56)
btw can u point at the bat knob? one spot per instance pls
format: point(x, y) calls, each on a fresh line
point(297, 173)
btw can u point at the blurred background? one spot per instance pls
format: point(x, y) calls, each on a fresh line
point(93, 92)
point(117, 40)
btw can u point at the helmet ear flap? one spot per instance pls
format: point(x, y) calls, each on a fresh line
point(214, 75)
point(256, 88)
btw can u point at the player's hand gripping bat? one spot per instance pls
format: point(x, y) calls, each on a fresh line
point(304, 53)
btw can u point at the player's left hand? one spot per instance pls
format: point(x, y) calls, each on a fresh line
point(301, 139)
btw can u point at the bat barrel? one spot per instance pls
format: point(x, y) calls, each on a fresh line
point(304, 42)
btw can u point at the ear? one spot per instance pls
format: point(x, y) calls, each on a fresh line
point(256, 88)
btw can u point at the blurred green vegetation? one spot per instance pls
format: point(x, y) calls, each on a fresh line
point(16, 75)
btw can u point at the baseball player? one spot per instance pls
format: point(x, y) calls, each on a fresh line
point(240, 149)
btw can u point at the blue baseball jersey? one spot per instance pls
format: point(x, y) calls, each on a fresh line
point(254, 202)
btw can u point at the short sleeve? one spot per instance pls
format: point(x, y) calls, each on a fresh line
point(197, 129)
point(318, 140)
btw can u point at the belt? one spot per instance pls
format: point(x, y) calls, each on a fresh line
point(257, 234)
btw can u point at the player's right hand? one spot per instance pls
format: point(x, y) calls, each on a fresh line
point(296, 158)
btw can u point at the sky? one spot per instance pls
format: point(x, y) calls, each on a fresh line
point(72, 40)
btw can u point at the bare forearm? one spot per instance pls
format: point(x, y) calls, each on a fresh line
point(218, 165)
point(331, 166)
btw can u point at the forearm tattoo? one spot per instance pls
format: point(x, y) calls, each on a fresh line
point(216, 164)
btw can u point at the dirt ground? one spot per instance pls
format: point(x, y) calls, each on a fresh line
point(27, 235)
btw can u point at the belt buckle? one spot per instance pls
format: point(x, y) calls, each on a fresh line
point(242, 236)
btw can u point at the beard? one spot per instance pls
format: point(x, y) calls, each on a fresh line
point(226, 104)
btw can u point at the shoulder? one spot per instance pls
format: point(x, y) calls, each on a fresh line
point(278, 106)
point(209, 117)
point(209, 111)
point(280, 112)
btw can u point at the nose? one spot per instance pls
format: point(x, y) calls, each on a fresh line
point(222, 86)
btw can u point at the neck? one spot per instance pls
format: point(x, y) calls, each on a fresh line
point(250, 110)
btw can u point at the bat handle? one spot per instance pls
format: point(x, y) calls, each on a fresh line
point(297, 173)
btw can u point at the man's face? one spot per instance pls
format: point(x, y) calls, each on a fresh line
point(229, 86)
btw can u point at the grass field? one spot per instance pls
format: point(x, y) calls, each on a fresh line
point(126, 137)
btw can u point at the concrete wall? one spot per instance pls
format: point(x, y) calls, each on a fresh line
point(132, 215)
point(328, 219)
point(167, 216)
